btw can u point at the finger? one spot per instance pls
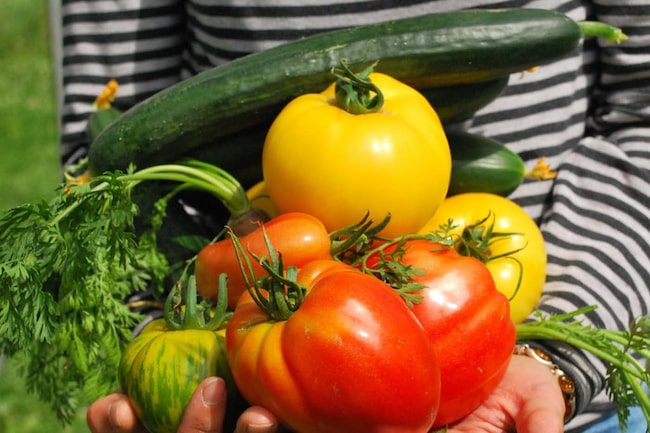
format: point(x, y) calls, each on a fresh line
point(112, 413)
point(542, 415)
point(256, 419)
point(545, 412)
point(206, 410)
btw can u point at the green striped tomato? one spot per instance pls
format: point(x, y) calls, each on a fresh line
point(161, 368)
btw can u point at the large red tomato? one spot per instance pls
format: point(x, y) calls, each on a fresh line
point(466, 318)
point(351, 357)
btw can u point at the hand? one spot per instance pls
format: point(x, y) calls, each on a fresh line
point(528, 400)
point(204, 414)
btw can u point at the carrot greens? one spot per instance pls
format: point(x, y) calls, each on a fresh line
point(67, 267)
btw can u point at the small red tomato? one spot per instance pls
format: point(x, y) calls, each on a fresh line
point(299, 237)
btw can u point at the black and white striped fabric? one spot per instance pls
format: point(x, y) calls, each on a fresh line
point(588, 114)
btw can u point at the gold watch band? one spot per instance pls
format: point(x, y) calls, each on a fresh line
point(566, 383)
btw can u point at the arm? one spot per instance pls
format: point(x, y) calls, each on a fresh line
point(139, 44)
point(597, 226)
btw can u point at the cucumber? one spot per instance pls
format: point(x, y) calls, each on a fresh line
point(459, 102)
point(426, 51)
point(99, 120)
point(481, 164)
point(239, 154)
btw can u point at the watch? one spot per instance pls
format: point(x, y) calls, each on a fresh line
point(567, 386)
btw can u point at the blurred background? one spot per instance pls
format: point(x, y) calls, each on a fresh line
point(29, 169)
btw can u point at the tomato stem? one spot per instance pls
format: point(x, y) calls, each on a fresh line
point(390, 269)
point(348, 243)
point(356, 93)
point(277, 293)
point(182, 311)
point(477, 239)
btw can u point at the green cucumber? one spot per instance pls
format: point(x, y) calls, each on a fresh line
point(425, 51)
point(459, 102)
point(239, 154)
point(99, 120)
point(481, 164)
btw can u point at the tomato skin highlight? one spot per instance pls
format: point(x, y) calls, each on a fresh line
point(320, 159)
point(508, 217)
point(466, 319)
point(352, 358)
point(298, 236)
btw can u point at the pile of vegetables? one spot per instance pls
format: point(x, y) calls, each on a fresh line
point(352, 271)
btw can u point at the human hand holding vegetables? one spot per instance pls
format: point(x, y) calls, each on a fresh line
point(205, 413)
point(528, 398)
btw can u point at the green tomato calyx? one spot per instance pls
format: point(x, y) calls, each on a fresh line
point(183, 311)
point(276, 293)
point(356, 93)
point(476, 241)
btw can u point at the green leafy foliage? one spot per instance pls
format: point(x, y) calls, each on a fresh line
point(66, 269)
point(624, 352)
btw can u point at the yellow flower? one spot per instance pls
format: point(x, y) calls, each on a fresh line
point(541, 171)
point(104, 99)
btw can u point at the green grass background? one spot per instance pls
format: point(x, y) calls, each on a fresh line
point(29, 170)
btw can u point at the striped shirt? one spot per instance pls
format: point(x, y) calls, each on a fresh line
point(588, 114)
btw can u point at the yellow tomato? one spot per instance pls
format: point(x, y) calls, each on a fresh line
point(259, 197)
point(528, 258)
point(322, 160)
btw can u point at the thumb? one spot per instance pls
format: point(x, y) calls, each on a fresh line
point(206, 410)
point(544, 414)
point(256, 419)
point(551, 419)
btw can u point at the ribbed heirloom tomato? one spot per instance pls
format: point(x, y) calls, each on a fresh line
point(517, 261)
point(350, 358)
point(337, 165)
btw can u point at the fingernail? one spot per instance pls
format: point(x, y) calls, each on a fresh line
point(116, 416)
point(212, 393)
point(259, 427)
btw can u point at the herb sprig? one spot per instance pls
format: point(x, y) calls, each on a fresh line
point(625, 353)
point(67, 267)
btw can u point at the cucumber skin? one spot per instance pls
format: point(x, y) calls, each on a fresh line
point(425, 51)
point(99, 120)
point(481, 164)
point(459, 102)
